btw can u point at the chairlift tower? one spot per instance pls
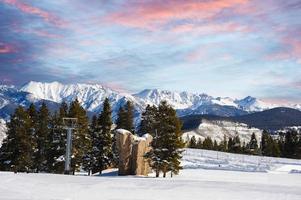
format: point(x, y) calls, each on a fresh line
point(69, 124)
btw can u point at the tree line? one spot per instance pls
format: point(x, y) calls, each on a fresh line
point(285, 144)
point(36, 138)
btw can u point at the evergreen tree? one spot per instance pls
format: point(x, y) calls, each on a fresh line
point(275, 149)
point(33, 115)
point(57, 139)
point(81, 143)
point(264, 142)
point(290, 144)
point(104, 142)
point(230, 145)
point(121, 119)
point(16, 150)
point(253, 144)
point(147, 120)
point(167, 143)
point(199, 144)
point(192, 143)
point(208, 144)
point(125, 119)
point(90, 157)
point(236, 147)
point(129, 109)
point(42, 139)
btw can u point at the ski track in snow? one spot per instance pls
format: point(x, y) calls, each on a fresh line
point(196, 181)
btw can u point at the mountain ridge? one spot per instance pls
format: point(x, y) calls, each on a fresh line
point(91, 97)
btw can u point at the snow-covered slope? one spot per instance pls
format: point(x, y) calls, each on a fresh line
point(206, 175)
point(3, 130)
point(206, 159)
point(217, 129)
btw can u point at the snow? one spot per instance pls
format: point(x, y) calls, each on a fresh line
point(205, 159)
point(122, 131)
point(217, 129)
point(193, 183)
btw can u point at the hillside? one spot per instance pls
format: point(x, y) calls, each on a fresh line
point(218, 129)
point(272, 119)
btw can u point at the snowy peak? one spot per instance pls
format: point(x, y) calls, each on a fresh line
point(252, 104)
point(90, 96)
point(179, 100)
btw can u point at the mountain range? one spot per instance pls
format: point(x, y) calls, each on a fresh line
point(91, 97)
point(222, 115)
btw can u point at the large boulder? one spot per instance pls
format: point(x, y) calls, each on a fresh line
point(131, 150)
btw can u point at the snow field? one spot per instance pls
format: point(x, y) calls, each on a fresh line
point(194, 182)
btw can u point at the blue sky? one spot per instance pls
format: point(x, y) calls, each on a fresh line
point(221, 47)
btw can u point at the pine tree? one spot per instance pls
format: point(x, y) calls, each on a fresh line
point(125, 119)
point(129, 109)
point(208, 144)
point(253, 144)
point(290, 144)
point(57, 139)
point(104, 142)
point(42, 139)
point(199, 144)
point(264, 142)
point(16, 150)
point(236, 148)
point(33, 115)
point(81, 142)
point(167, 143)
point(230, 145)
point(192, 143)
point(275, 149)
point(147, 120)
point(90, 157)
point(121, 119)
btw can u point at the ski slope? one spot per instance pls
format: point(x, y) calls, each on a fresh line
point(200, 179)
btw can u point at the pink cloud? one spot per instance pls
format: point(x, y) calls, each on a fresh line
point(212, 28)
point(26, 8)
point(150, 15)
point(6, 48)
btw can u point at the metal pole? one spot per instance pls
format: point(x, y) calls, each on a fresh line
point(68, 151)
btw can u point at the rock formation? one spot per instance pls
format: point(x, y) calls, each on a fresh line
point(131, 150)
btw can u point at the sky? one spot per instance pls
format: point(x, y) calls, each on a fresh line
point(229, 48)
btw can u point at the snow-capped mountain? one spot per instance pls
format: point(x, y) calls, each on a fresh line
point(91, 97)
point(252, 104)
